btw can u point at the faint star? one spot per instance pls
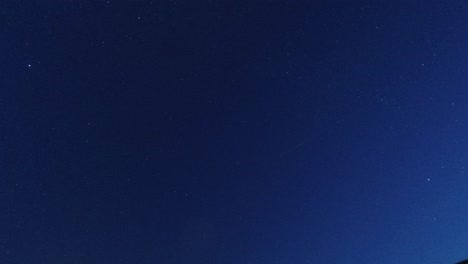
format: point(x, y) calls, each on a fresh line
point(29, 65)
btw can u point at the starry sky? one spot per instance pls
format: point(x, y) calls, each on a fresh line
point(233, 131)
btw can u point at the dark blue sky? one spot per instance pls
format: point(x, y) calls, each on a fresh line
point(233, 132)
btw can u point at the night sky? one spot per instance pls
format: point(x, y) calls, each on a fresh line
point(232, 132)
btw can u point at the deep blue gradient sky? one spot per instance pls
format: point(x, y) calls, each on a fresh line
point(233, 132)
